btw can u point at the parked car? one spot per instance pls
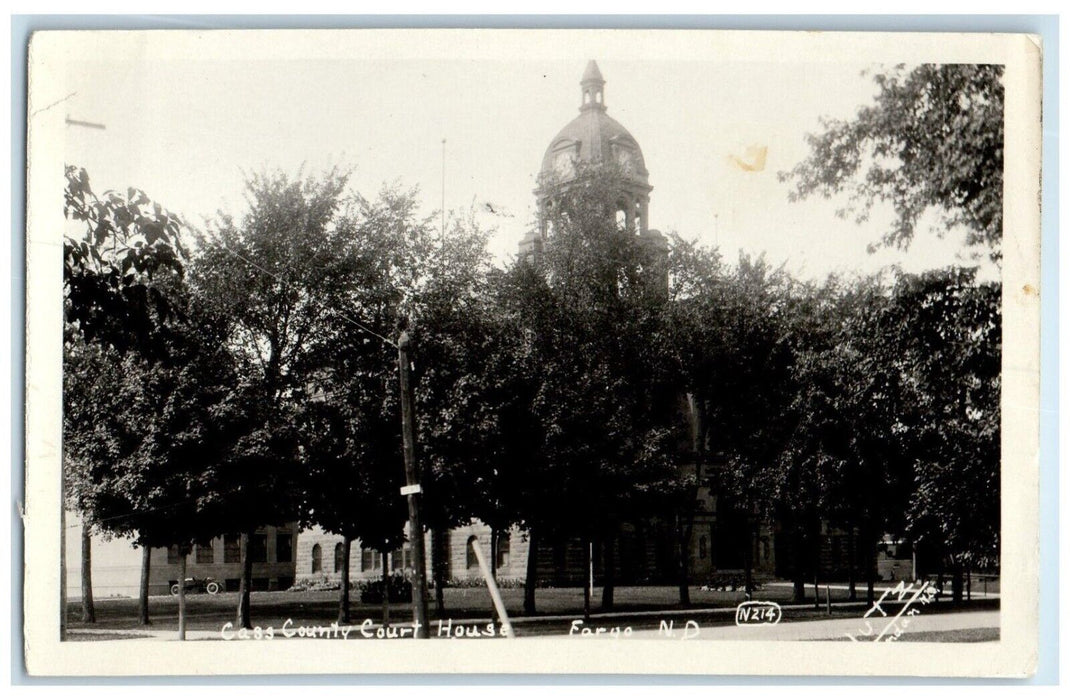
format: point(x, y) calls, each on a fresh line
point(197, 585)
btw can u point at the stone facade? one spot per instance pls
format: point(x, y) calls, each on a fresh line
point(322, 564)
point(272, 550)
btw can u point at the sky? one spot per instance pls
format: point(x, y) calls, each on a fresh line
point(188, 128)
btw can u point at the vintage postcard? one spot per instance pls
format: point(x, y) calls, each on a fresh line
point(546, 351)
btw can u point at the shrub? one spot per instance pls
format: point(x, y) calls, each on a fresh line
point(399, 588)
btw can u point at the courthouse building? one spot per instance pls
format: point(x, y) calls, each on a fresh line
point(644, 552)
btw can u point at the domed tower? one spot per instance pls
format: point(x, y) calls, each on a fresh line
point(594, 139)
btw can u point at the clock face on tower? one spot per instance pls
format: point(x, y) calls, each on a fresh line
point(626, 160)
point(563, 163)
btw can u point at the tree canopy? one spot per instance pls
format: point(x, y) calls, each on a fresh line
point(933, 138)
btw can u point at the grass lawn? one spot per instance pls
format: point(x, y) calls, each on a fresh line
point(210, 613)
point(205, 612)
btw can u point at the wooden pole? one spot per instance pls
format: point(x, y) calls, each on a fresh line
point(408, 430)
point(181, 594)
point(492, 586)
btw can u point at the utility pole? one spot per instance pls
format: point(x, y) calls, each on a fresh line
point(412, 488)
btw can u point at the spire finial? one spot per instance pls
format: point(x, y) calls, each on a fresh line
point(592, 86)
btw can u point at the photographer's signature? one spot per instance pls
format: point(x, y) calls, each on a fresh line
point(919, 593)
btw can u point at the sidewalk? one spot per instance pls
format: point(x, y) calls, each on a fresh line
point(861, 589)
point(834, 629)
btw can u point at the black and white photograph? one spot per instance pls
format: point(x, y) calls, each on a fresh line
point(549, 350)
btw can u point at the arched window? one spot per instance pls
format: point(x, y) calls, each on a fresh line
point(503, 550)
point(470, 554)
point(702, 547)
point(622, 219)
point(317, 559)
point(338, 556)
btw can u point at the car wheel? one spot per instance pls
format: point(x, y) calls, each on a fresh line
point(174, 589)
point(212, 588)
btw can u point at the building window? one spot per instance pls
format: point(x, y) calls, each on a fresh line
point(284, 548)
point(503, 550)
point(339, 552)
point(258, 548)
point(231, 549)
point(173, 556)
point(317, 558)
point(470, 553)
point(205, 555)
point(702, 547)
point(370, 560)
point(400, 559)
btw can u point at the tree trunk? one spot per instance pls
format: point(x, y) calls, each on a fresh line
point(89, 613)
point(586, 581)
point(748, 554)
point(386, 591)
point(869, 557)
point(181, 594)
point(244, 620)
point(531, 575)
point(343, 591)
point(608, 573)
point(852, 593)
point(798, 580)
point(956, 581)
point(683, 539)
point(143, 591)
point(969, 583)
point(815, 553)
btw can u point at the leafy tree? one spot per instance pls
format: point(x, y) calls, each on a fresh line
point(278, 277)
point(733, 359)
point(115, 255)
point(591, 307)
point(843, 453)
point(950, 354)
point(351, 425)
point(934, 138)
point(119, 248)
point(144, 438)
